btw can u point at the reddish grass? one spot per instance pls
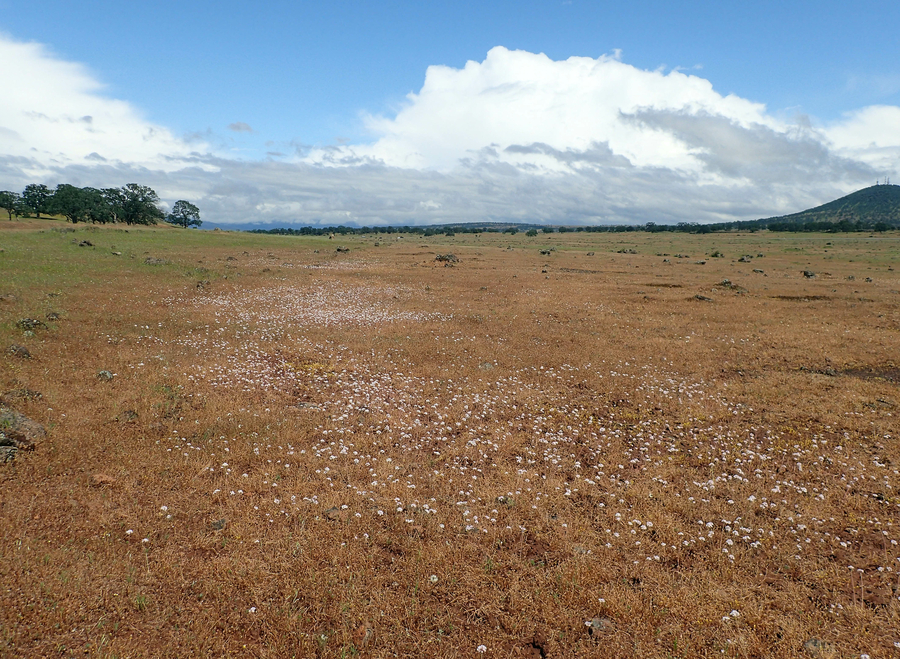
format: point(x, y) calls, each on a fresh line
point(312, 454)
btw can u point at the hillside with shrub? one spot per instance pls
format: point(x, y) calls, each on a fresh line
point(874, 208)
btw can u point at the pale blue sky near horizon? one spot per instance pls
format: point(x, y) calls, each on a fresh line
point(397, 112)
point(304, 70)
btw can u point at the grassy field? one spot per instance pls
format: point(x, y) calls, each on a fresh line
point(624, 448)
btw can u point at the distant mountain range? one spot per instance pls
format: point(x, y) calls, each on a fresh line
point(878, 205)
point(876, 208)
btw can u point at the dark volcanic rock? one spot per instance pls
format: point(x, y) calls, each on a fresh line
point(19, 351)
point(18, 430)
point(30, 324)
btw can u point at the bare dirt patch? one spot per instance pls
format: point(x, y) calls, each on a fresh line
point(888, 373)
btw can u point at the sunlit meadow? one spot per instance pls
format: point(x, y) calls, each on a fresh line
point(623, 446)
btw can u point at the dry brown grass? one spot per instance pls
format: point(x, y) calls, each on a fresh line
point(312, 454)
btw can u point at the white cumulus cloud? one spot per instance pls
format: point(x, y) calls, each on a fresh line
point(517, 98)
point(515, 137)
point(870, 135)
point(54, 113)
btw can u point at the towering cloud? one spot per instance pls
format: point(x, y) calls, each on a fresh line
point(517, 99)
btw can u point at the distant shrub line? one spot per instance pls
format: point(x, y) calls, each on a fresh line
point(843, 226)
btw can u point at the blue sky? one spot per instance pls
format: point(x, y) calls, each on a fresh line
point(361, 112)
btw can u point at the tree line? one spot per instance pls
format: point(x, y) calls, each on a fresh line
point(130, 204)
point(530, 230)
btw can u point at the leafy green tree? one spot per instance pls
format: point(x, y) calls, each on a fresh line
point(70, 201)
point(82, 204)
point(139, 205)
point(10, 202)
point(115, 202)
point(184, 214)
point(36, 196)
point(96, 208)
point(531, 233)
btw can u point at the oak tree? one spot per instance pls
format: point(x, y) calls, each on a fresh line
point(139, 205)
point(10, 202)
point(36, 196)
point(184, 214)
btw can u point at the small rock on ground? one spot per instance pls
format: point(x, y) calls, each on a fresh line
point(336, 515)
point(30, 324)
point(818, 647)
point(103, 480)
point(600, 625)
point(18, 430)
point(19, 351)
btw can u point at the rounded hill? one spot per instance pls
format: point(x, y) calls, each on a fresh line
point(872, 205)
